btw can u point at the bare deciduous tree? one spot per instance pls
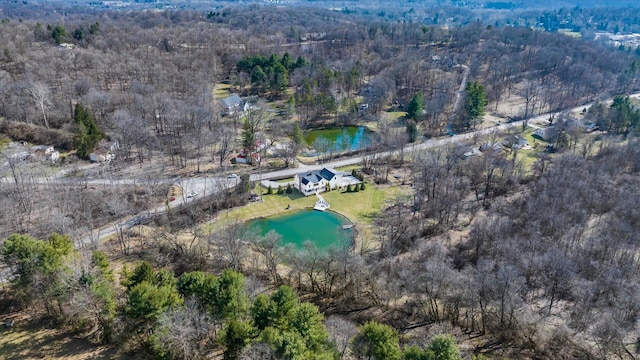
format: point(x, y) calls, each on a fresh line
point(341, 332)
point(40, 95)
point(185, 332)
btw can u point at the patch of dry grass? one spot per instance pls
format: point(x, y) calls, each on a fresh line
point(221, 91)
point(29, 339)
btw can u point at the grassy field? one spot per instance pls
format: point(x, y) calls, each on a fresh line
point(284, 181)
point(221, 91)
point(528, 157)
point(349, 168)
point(397, 114)
point(360, 207)
point(570, 33)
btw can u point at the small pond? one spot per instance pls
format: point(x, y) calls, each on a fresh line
point(323, 228)
point(348, 138)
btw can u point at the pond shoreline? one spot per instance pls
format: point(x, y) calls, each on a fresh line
point(325, 229)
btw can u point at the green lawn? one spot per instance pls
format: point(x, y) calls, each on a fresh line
point(284, 181)
point(221, 91)
point(349, 168)
point(528, 157)
point(528, 134)
point(397, 114)
point(360, 207)
point(573, 34)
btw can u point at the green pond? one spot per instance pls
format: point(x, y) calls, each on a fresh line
point(323, 228)
point(347, 138)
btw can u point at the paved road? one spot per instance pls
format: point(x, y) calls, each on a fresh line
point(204, 186)
point(208, 185)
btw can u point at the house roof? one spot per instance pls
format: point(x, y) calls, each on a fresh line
point(491, 146)
point(99, 152)
point(545, 133)
point(315, 176)
point(40, 152)
point(310, 177)
point(254, 155)
point(327, 174)
point(231, 101)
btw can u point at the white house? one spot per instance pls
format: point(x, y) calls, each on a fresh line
point(101, 155)
point(491, 147)
point(310, 182)
point(234, 104)
point(516, 142)
point(111, 146)
point(45, 153)
point(546, 134)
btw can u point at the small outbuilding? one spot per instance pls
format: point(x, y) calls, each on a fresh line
point(546, 134)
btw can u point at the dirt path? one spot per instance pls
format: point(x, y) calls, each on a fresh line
point(461, 89)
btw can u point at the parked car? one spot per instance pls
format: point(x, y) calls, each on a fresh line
point(232, 176)
point(192, 194)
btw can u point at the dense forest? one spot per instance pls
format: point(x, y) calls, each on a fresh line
point(148, 77)
point(546, 266)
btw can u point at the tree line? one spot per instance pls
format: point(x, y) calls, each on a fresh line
point(160, 95)
point(191, 315)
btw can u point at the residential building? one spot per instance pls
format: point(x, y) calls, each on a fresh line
point(244, 159)
point(45, 153)
point(548, 134)
point(233, 105)
point(101, 155)
point(515, 142)
point(310, 182)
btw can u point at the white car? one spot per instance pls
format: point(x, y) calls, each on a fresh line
point(192, 194)
point(232, 176)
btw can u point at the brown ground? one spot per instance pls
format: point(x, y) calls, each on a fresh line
point(36, 339)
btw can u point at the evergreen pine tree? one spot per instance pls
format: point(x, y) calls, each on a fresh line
point(476, 101)
point(248, 137)
point(412, 131)
point(296, 135)
point(414, 110)
point(88, 133)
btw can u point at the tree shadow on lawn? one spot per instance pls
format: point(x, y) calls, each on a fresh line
point(371, 215)
point(294, 195)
